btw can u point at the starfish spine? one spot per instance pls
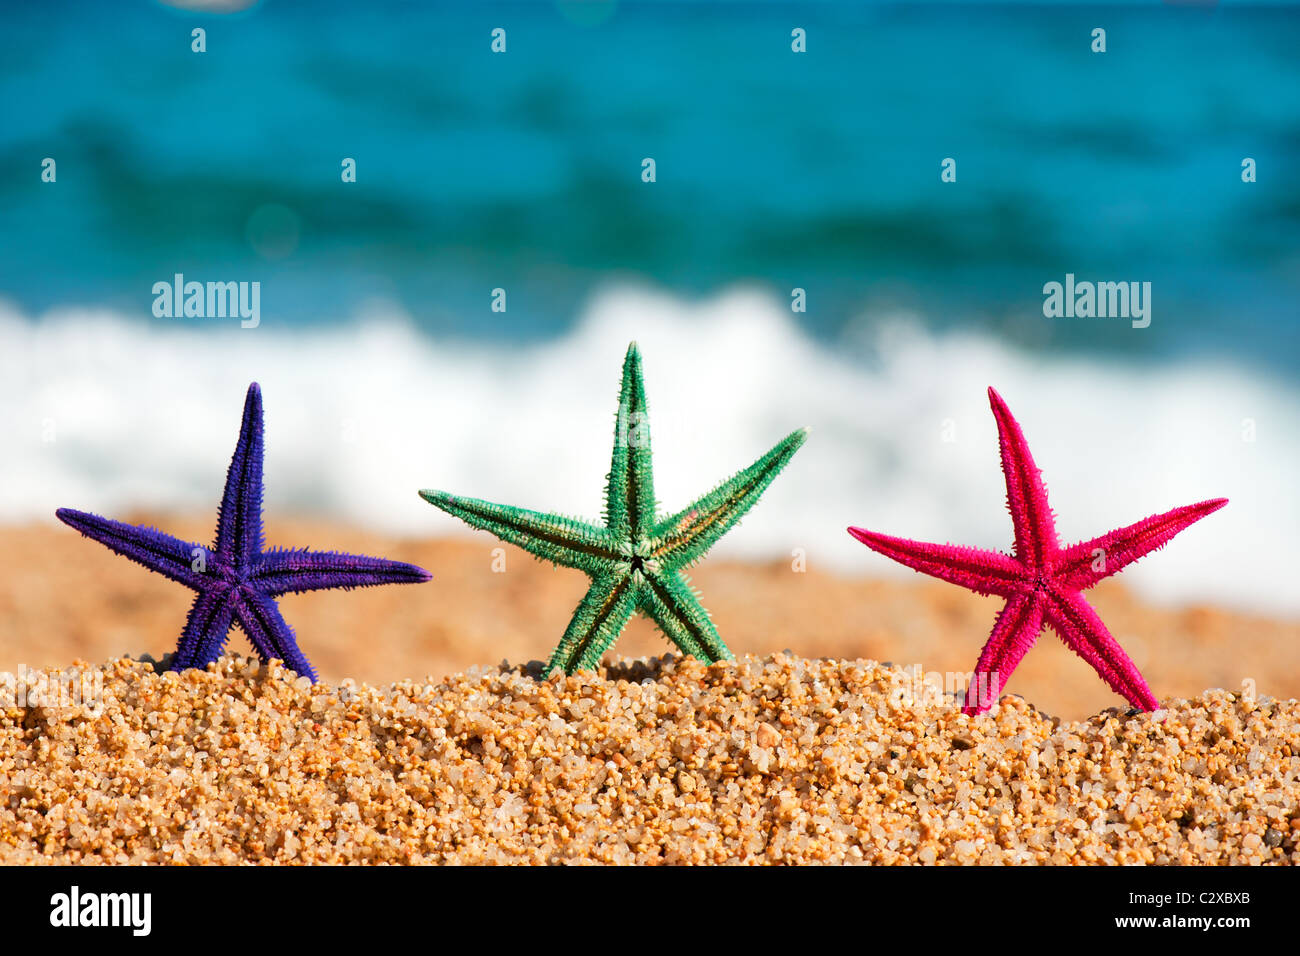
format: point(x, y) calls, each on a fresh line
point(1041, 581)
point(236, 579)
point(636, 563)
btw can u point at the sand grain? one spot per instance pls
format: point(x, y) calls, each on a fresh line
point(767, 760)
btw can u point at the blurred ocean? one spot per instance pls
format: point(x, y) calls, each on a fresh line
point(385, 369)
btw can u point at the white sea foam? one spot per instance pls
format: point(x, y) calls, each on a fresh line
point(106, 414)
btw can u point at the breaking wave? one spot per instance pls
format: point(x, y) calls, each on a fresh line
point(108, 414)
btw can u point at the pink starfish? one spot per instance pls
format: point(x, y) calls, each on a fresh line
point(1042, 582)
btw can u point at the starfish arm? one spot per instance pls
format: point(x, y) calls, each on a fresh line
point(1084, 564)
point(673, 605)
point(156, 550)
point(205, 631)
point(1031, 515)
point(239, 522)
point(560, 540)
point(1073, 618)
point(630, 494)
point(986, 572)
point(596, 623)
point(259, 617)
point(286, 571)
point(683, 538)
point(1014, 633)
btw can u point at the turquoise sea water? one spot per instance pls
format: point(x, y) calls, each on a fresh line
point(522, 170)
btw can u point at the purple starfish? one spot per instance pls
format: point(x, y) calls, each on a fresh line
point(236, 580)
point(1043, 583)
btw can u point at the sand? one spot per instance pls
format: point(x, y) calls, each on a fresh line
point(63, 597)
point(782, 757)
point(777, 759)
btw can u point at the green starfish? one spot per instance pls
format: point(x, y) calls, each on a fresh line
point(635, 562)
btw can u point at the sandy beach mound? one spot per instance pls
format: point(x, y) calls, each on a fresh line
point(470, 614)
point(767, 760)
